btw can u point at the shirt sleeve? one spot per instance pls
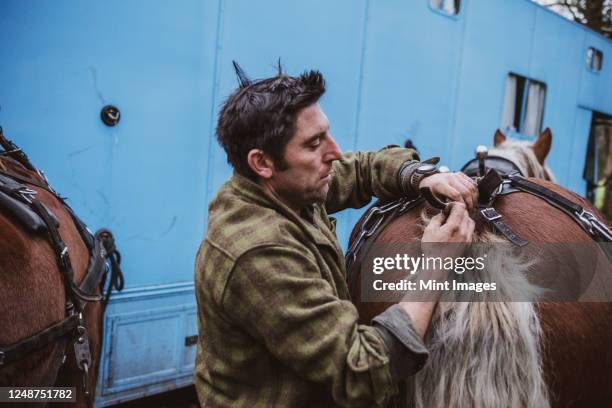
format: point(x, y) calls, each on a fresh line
point(406, 348)
point(277, 295)
point(356, 177)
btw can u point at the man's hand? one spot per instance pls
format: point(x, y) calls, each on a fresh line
point(454, 186)
point(457, 231)
point(441, 238)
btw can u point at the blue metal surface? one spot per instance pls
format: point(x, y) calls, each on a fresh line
point(145, 351)
point(394, 68)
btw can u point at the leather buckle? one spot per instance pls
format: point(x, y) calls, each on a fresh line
point(64, 258)
point(490, 214)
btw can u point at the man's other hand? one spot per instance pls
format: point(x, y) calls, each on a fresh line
point(456, 230)
point(454, 186)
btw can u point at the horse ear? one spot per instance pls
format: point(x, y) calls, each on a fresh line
point(499, 138)
point(541, 147)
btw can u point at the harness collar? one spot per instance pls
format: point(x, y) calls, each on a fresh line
point(501, 164)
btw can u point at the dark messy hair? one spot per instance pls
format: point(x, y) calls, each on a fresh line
point(261, 115)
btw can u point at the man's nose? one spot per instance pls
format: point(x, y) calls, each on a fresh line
point(333, 151)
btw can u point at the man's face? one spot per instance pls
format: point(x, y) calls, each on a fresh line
point(309, 156)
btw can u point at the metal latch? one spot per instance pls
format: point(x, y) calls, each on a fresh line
point(191, 340)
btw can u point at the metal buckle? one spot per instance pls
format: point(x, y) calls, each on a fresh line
point(27, 194)
point(490, 214)
point(592, 224)
point(2, 357)
point(602, 229)
point(586, 218)
point(64, 257)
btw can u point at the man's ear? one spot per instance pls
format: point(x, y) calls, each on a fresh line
point(260, 163)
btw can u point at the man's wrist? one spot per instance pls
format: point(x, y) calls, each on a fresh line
point(412, 173)
point(405, 175)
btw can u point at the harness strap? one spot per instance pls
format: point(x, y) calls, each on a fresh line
point(38, 340)
point(59, 247)
point(50, 224)
point(14, 150)
point(116, 280)
point(64, 327)
point(591, 224)
point(10, 184)
point(553, 198)
point(31, 181)
point(96, 263)
point(61, 250)
point(22, 213)
point(495, 219)
point(370, 229)
point(488, 188)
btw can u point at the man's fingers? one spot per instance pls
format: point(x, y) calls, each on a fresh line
point(436, 220)
point(450, 192)
point(468, 229)
point(457, 191)
point(467, 224)
point(455, 187)
point(468, 189)
point(469, 184)
point(466, 195)
point(457, 212)
point(467, 179)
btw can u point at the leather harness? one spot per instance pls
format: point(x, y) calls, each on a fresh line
point(21, 202)
point(491, 186)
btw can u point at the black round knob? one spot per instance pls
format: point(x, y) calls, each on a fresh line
point(110, 115)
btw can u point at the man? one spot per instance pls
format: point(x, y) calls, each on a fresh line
point(277, 328)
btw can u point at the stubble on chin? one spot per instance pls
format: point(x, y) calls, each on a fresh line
point(322, 196)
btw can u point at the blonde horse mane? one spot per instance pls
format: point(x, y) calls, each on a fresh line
point(485, 354)
point(521, 153)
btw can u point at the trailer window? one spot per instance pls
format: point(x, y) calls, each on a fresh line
point(523, 105)
point(598, 163)
point(446, 6)
point(594, 59)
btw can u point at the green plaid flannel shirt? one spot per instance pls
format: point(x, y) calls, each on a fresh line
point(277, 328)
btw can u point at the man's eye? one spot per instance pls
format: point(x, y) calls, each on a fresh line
point(315, 142)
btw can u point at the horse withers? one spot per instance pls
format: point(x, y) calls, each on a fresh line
point(52, 272)
point(509, 353)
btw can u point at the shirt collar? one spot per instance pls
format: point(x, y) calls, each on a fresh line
point(253, 192)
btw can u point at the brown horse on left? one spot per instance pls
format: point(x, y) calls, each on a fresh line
point(33, 296)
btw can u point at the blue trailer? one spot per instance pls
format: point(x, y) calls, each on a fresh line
point(446, 74)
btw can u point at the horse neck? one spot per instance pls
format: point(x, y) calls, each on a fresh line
point(523, 156)
point(10, 165)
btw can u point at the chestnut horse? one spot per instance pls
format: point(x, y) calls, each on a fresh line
point(33, 292)
point(510, 354)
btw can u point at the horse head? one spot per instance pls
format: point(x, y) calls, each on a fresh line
point(529, 157)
